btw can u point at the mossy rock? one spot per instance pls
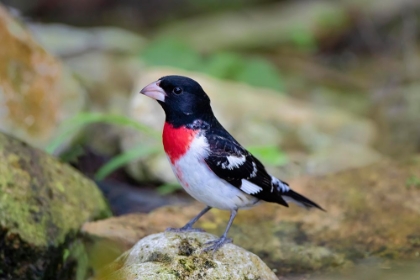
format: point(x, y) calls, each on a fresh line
point(43, 204)
point(171, 255)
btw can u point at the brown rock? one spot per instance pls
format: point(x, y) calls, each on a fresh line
point(36, 92)
point(371, 212)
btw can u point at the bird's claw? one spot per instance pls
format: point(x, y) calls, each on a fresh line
point(216, 244)
point(185, 229)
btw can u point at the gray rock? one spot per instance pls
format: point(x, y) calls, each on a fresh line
point(171, 255)
point(66, 40)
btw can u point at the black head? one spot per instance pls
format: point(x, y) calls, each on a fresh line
point(181, 98)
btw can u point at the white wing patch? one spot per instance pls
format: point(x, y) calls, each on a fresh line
point(254, 170)
point(249, 187)
point(233, 162)
point(280, 186)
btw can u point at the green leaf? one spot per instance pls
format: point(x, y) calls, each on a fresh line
point(303, 38)
point(270, 155)
point(260, 72)
point(83, 119)
point(72, 154)
point(412, 181)
point(124, 158)
point(168, 188)
point(223, 65)
point(88, 118)
point(66, 254)
point(172, 52)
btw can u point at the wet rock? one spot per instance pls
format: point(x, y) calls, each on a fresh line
point(43, 204)
point(311, 136)
point(37, 92)
point(179, 256)
point(372, 214)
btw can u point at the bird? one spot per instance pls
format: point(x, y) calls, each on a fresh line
point(208, 162)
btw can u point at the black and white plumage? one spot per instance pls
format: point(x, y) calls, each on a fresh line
point(208, 162)
point(231, 162)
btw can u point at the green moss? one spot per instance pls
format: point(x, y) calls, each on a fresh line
point(412, 182)
point(159, 257)
point(41, 199)
point(185, 248)
point(175, 273)
point(43, 203)
point(187, 264)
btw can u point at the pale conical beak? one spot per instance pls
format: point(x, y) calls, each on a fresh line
point(154, 91)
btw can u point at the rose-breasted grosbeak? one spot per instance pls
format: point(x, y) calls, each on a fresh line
point(208, 162)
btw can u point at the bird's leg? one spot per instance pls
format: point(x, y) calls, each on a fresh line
point(216, 244)
point(189, 225)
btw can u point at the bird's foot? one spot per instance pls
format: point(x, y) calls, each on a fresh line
point(185, 229)
point(217, 244)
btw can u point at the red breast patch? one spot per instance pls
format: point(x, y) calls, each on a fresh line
point(176, 141)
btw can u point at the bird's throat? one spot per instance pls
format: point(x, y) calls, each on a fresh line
point(177, 141)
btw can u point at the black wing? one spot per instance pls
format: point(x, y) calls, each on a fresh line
point(231, 162)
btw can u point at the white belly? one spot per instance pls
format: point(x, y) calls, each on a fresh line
point(201, 183)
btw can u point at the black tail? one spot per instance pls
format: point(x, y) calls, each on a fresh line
point(292, 196)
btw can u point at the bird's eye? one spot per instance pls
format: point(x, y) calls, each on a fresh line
point(177, 90)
